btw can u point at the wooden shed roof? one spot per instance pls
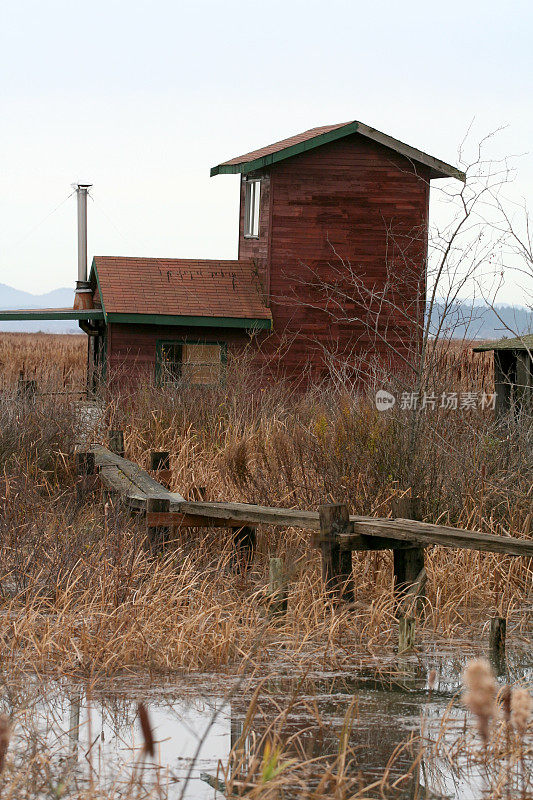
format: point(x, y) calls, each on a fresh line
point(518, 343)
point(165, 291)
point(316, 137)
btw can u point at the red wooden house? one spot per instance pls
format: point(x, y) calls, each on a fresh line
point(325, 216)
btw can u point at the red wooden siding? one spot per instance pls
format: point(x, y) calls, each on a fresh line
point(253, 249)
point(353, 201)
point(131, 349)
point(337, 202)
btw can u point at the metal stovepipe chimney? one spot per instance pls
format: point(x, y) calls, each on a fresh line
point(83, 297)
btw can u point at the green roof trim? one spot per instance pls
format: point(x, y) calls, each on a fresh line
point(183, 321)
point(287, 152)
point(437, 168)
point(517, 343)
point(94, 274)
point(51, 313)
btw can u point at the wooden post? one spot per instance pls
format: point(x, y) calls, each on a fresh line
point(160, 465)
point(406, 634)
point(277, 586)
point(85, 463)
point(244, 539)
point(116, 442)
point(159, 459)
point(498, 631)
point(26, 388)
point(408, 562)
point(87, 477)
point(336, 564)
point(157, 534)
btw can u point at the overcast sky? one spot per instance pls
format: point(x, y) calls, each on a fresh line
point(142, 98)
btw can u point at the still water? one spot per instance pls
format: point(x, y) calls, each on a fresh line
point(91, 734)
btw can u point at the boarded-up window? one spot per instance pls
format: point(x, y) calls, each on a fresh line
point(202, 363)
point(196, 363)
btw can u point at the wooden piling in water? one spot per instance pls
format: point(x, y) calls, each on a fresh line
point(408, 562)
point(498, 632)
point(406, 634)
point(336, 563)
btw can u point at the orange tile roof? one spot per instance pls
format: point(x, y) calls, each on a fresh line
point(180, 287)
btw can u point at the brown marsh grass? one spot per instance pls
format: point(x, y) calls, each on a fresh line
point(56, 361)
point(80, 593)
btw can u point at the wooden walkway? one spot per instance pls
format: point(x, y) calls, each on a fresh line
point(141, 492)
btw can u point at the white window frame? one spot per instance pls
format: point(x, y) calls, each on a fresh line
point(252, 205)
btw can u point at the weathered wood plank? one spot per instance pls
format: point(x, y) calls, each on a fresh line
point(362, 543)
point(427, 534)
point(174, 519)
point(242, 513)
point(365, 532)
point(401, 530)
point(139, 478)
point(113, 478)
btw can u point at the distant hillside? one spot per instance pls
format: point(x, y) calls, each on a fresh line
point(464, 321)
point(59, 298)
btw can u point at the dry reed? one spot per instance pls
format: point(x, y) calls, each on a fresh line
point(79, 592)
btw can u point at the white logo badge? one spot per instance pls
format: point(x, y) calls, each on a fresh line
point(384, 400)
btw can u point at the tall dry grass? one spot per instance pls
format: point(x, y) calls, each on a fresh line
point(55, 361)
point(80, 593)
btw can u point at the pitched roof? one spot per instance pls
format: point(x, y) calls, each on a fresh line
point(179, 291)
point(519, 343)
point(315, 137)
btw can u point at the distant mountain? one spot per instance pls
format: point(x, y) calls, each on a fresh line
point(463, 320)
point(58, 298)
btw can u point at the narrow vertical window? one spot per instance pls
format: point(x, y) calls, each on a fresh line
point(251, 207)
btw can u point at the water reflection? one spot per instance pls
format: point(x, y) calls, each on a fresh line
point(90, 735)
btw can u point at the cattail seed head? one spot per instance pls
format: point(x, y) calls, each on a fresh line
point(521, 705)
point(5, 734)
point(480, 694)
point(506, 703)
point(146, 728)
